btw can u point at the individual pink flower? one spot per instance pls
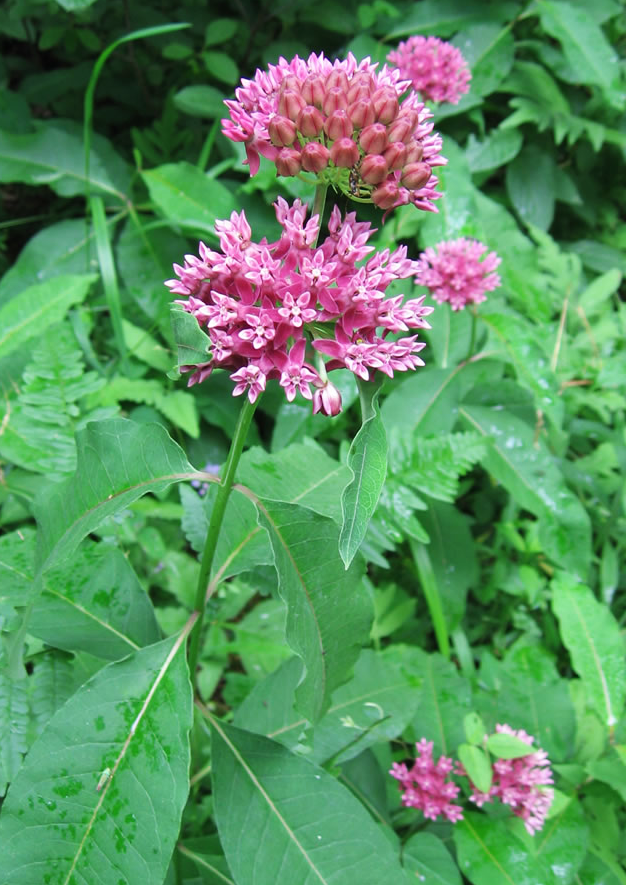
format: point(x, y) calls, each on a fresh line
point(267, 307)
point(455, 271)
point(436, 69)
point(521, 783)
point(343, 121)
point(426, 786)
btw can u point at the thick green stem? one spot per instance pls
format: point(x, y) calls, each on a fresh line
point(215, 524)
point(319, 201)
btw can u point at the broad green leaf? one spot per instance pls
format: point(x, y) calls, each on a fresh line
point(530, 474)
point(427, 857)
point(54, 155)
point(54, 679)
point(456, 212)
point(146, 348)
point(277, 812)
point(117, 462)
point(200, 101)
point(426, 403)
point(94, 604)
point(531, 79)
point(592, 637)
point(61, 248)
point(16, 567)
point(221, 66)
point(530, 185)
point(329, 610)
point(444, 699)
point(219, 30)
point(519, 340)
point(593, 298)
point(497, 149)
point(507, 746)
point(449, 338)
point(374, 706)
point(586, 48)
point(193, 345)
point(476, 763)
point(605, 870)
point(446, 17)
point(33, 310)
point(474, 728)
point(186, 196)
point(14, 725)
point(125, 731)
point(178, 406)
point(488, 50)
point(367, 459)
point(490, 852)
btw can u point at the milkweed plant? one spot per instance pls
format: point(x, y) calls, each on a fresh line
point(375, 634)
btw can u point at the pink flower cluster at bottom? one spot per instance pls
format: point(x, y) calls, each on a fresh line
point(520, 783)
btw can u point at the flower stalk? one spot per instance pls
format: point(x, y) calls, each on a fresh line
point(215, 525)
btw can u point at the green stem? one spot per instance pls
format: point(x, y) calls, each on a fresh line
point(319, 201)
point(470, 352)
point(207, 147)
point(215, 524)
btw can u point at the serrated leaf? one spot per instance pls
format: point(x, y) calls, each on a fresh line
point(367, 459)
point(329, 611)
point(186, 196)
point(592, 637)
point(29, 313)
point(276, 812)
point(117, 462)
point(126, 730)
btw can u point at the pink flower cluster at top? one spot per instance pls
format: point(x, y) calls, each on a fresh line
point(343, 121)
point(264, 305)
point(425, 785)
point(436, 69)
point(453, 271)
point(521, 783)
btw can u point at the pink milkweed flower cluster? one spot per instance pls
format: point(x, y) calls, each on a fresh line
point(456, 271)
point(426, 786)
point(436, 69)
point(266, 307)
point(343, 121)
point(521, 783)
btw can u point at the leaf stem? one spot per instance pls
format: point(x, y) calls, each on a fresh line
point(215, 524)
point(319, 201)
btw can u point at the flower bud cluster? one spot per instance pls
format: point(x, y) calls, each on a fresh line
point(436, 69)
point(344, 122)
point(266, 307)
point(455, 271)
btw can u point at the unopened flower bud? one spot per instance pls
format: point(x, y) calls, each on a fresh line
point(327, 400)
point(362, 79)
point(415, 152)
point(373, 139)
point(338, 79)
point(338, 125)
point(312, 90)
point(386, 105)
point(282, 131)
point(361, 112)
point(335, 100)
point(359, 91)
point(290, 104)
point(374, 169)
point(402, 127)
point(344, 153)
point(315, 157)
point(310, 121)
point(415, 175)
point(386, 195)
point(396, 155)
point(288, 162)
point(290, 82)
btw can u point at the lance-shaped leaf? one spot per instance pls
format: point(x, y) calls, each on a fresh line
point(186, 196)
point(101, 794)
point(281, 818)
point(38, 307)
point(328, 609)
point(118, 461)
point(367, 459)
point(593, 639)
point(193, 345)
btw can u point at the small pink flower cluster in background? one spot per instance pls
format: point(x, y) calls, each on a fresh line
point(436, 69)
point(425, 785)
point(263, 305)
point(343, 121)
point(521, 783)
point(455, 271)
